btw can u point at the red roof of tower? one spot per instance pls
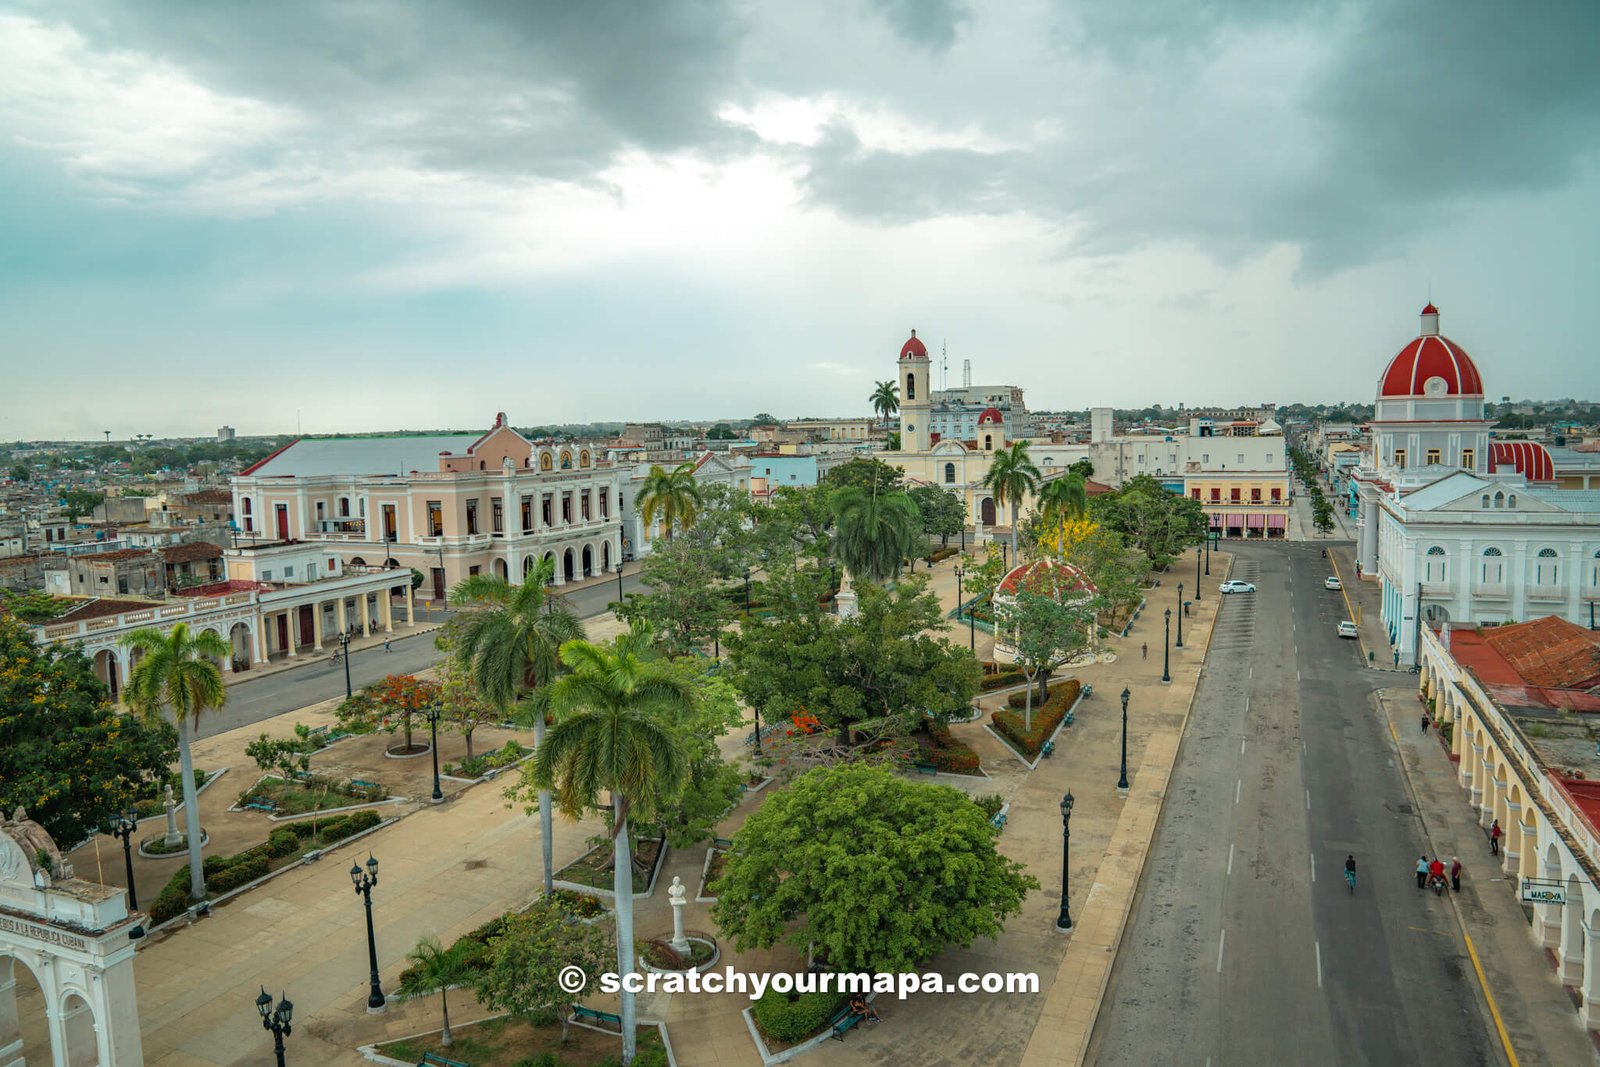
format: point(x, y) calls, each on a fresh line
point(913, 348)
point(991, 415)
point(1530, 458)
point(1430, 356)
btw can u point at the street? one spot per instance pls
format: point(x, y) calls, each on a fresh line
point(1245, 945)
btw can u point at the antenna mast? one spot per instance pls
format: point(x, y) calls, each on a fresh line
point(944, 365)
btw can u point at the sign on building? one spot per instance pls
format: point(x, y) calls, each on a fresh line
point(1537, 891)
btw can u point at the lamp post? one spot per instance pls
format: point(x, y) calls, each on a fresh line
point(364, 881)
point(1166, 652)
point(1122, 782)
point(747, 592)
point(344, 654)
point(972, 625)
point(1064, 920)
point(1179, 642)
point(1208, 553)
point(123, 826)
point(276, 1019)
point(1197, 572)
point(619, 583)
point(434, 711)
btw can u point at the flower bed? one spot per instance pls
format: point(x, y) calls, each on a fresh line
point(313, 794)
point(477, 766)
point(286, 845)
point(1009, 724)
point(938, 746)
point(509, 1041)
point(474, 944)
point(593, 871)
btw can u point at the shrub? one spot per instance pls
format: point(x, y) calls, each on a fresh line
point(791, 1017)
point(581, 905)
point(171, 901)
point(283, 842)
point(543, 1059)
point(1000, 680)
point(991, 803)
point(237, 874)
point(1046, 718)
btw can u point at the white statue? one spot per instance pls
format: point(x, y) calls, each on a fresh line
point(173, 838)
point(677, 895)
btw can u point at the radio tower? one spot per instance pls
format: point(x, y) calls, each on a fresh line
point(944, 365)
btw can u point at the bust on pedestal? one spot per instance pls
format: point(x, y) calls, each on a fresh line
point(844, 601)
point(677, 895)
point(173, 838)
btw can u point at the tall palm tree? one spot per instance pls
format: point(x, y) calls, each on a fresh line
point(178, 673)
point(672, 496)
point(1012, 476)
point(613, 732)
point(434, 969)
point(885, 399)
point(873, 533)
point(508, 642)
point(1066, 497)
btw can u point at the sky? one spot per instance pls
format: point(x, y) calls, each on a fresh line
point(347, 215)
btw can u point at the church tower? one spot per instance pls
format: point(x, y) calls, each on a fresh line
point(914, 402)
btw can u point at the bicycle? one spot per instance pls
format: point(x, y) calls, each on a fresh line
point(1350, 880)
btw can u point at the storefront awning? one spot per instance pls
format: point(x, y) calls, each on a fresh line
point(1235, 520)
point(1256, 522)
point(1216, 520)
point(1277, 522)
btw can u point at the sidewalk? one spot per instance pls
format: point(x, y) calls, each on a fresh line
point(1539, 1019)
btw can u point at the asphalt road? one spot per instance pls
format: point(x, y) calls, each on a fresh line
point(252, 700)
point(1245, 946)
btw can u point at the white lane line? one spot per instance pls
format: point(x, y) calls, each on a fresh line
point(1237, 786)
point(1220, 944)
point(1313, 868)
point(1252, 672)
point(1241, 746)
point(1247, 705)
point(1308, 800)
point(1319, 964)
point(1230, 860)
point(1297, 675)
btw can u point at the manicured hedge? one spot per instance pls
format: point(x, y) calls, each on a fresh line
point(1009, 724)
point(946, 752)
point(1001, 679)
point(791, 1017)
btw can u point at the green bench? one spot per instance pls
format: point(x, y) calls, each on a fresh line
point(1047, 748)
point(261, 805)
point(317, 732)
point(433, 1059)
point(845, 1021)
point(721, 842)
point(580, 1012)
point(362, 783)
point(927, 768)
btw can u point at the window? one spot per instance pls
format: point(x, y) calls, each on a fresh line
point(1269, 458)
point(1399, 457)
point(1594, 570)
point(1233, 495)
point(1255, 496)
point(1194, 494)
point(1485, 500)
point(1277, 496)
point(583, 502)
point(1433, 455)
point(1205, 457)
point(605, 503)
point(472, 516)
point(1494, 567)
point(566, 507)
point(473, 569)
point(1469, 459)
point(320, 509)
point(949, 474)
point(435, 519)
point(1433, 567)
point(331, 563)
point(344, 507)
point(497, 515)
point(288, 572)
point(1241, 459)
point(1499, 500)
point(1547, 568)
point(1216, 495)
point(266, 576)
point(527, 514)
point(1511, 502)
point(547, 509)
point(911, 387)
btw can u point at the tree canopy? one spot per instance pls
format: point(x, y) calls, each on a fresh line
point(1158, 522)
point(866, 474)
point(943, 513)
point(875, 532)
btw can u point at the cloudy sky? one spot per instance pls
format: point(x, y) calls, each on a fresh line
point(366, 214)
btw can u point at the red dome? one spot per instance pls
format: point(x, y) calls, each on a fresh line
point(1430, 356)
point(991, 416)
point(913, 349)
point(1529, 458)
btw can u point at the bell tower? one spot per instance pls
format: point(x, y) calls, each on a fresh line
point(914, 403)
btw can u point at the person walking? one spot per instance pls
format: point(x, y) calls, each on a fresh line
point(1455, 874)
point(1144, 650)
point(386, 647)
point(1422, 872)
point(1495, 833)
point(1424, 723)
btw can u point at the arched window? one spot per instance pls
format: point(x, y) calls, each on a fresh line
point(1594, 570)
point(949, 474)
point(483, 464)
point(1546, 567)
point(1499, 500)
point(344, 506)
point(1512, 501)
point(1486, 500)
point(911, 387)
point(988, 442)
point(1434, 567)
point(1494, 567)
point(583, 458)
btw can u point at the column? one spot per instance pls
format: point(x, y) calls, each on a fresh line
point(1475, 773)
point(294, 632)
point(1528, 866)
point(339, 616)
point(1547, 928)
point(316, 627)
point(1488, 793)
point(366, 619)
point(411, 605)
point(386, 603)
point(1570, 955)
point(258, 639)
point(1511, 846)
point(1589, 996)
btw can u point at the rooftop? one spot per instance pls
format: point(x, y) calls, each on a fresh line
point(360, 455)
point(87, 608)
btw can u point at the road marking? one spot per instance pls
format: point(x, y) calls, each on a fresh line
point(1252, 672)
point(1241, 746)
point(1313, 868)
point(1247, 705)
point(1319, 964)
point(1394, 733)
point(1230, 860)
point(1499, 1024)
point(1308, 800)
point(1237, 786)
point(1224, 940)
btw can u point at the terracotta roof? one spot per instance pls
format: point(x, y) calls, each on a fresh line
point(232, 585)
point(1430, 356)
point(1032, 577)
point(913, 349)
point(190, 552)
point(1550, 653)
point(1094, 488)
point(100, 608)
point(209, 496)
point(118, 556)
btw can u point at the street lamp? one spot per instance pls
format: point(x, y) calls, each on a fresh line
point(276, 1019)
point(1197, 572)
point(434, 711)
point(1179, 643)
point(619, 583)
point(747, 592)
point(1166, 652)
point(1122, 783)
point(972, 625)
point(1064, 920)
point(344, 648)
point(123, 826)
point(1208, 553)
point(364, 881)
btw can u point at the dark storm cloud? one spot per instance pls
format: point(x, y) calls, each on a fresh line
point(931, 24)
point(896, 188)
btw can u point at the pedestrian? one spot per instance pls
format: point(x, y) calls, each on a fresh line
point(1495, 833)
point(1424, 723)
point(386, 647)
point(1422, 872)
point(1144, 650)
point(1455, 874)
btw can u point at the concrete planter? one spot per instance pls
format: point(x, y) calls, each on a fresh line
point(594, 891)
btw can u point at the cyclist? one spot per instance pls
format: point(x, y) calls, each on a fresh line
point(1350, 872)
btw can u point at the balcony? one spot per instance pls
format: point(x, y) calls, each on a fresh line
point(1438, 589)
point(1547, 592)
point(1591, 592)
point(1491, 591)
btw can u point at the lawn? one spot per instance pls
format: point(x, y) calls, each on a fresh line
point(593, 868)
point(510, 1042)
point(297, 798)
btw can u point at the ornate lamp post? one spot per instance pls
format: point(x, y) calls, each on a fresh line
point(747, 592)
point(1208, 553)
point(123, 826)
point(1064, 920)
point(364, 881)
point(276, 1019)
point(434, 711)
point(1197, 594)
point(1179, 642)
point(1166, 652)
point(1122, 782)
point(619, 581)
point(972, 626)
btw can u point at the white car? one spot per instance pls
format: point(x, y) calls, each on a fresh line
point(1348, 629)
point(1331, 582)
point(1237, 587)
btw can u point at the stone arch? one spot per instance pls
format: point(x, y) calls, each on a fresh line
point(527, 565)
point(108, 668)
point(357, 561)
point(1570, 955)
point(568, 565)
point(24, 1016)
point(242, 638)
point(1529, 866)
point(501, 570)
point(587, 561)
point(605, 556)
point(77, 1031)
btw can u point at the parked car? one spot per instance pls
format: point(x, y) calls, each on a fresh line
point(1237, 587)
point(1330, 582)
point(1348, 629)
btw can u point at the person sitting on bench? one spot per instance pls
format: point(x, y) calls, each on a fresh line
point(862, 1010)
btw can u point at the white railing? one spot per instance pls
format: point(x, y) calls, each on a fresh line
point(1491, 592)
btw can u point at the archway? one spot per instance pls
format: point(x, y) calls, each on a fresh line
point(568, 565)
point(1572, 935)
point(77, 1032)
point(501, 570)
point(527, 566)
point(605, 557)
point(108, 670)
point(986, 511)
point(239, 638)
point(24, 1025)
point(588, 561)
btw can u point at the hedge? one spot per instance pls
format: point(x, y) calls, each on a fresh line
point(1001, 679)
point(947, 753)
point(1046, 718)
point(939, 554)
point(791, 1017)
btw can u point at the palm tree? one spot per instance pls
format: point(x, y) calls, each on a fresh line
point(885, 399)
point(178, 673)
point(434, 969)
point(613, 733)
point(508, 642)
point(1012, 476)
point(872, 534)
point(1066, 497)
point(672, 496)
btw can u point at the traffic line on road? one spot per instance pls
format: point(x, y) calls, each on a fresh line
point(1394, 733)
point(1223, 942)
point(1494, 1009)
point(1237, 787)
point(1308, 800)
point(1313, 868)
point(1230, 861)
point(1241, 746)
point(1319, 964)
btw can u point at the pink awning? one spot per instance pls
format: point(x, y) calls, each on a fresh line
point(1235, 520)
point(1255, 522)
point(1277, 522)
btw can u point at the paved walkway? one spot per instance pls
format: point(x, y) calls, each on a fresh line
point(1538, 1019)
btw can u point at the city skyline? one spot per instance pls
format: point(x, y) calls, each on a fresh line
point(396, 215)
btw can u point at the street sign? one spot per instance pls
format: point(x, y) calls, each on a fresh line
point(1537, 891)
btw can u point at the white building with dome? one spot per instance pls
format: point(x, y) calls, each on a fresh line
point(1456, 526)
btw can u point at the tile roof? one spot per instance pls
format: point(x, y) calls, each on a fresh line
point(120, 555)
point(99, 608)
point(1551, 652)
point(190, 552)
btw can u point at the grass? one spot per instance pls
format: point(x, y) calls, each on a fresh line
point(592, 869)
point(297, 798)
point(508, 1041)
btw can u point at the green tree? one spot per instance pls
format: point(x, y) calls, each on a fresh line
point(876, 872)
point(763, 419)
point(20, 473)
point(178, 674)
point(797, 522)
point(710, 784)
point(416, 578)
point(463, 708)
point(615, 716)
point(866, 474)
point(1084, 467)
point(721, 432)
point(875, 532)
point(670, 497)
point(435, 969)
point(885, 399)
point(943, 513)
point(1158, 522)
point(286, 755)
point(508, 642)
point(686, 605)
point(526, 958)
point(66, 755)
point(1113, 568)
point(1321, 513)
point(1064, 497)
point(1047, 626)
point(80, 502)
point(1012, 476)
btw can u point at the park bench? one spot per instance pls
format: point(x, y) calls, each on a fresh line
point(261, 805)
point(317, 733)
point(362, 783)
point(844, 1022)
point(721, 842)
point(433, 1059)
point(998, 820)
point(927, 768)
point(580, 1012)
point(1047, 748)
point(302, 776)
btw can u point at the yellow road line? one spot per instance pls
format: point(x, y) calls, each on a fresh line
point(1350, 613)
point(1393, 732)
point(1494, 1010)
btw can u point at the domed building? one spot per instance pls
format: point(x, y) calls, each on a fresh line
point(1457, 527)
